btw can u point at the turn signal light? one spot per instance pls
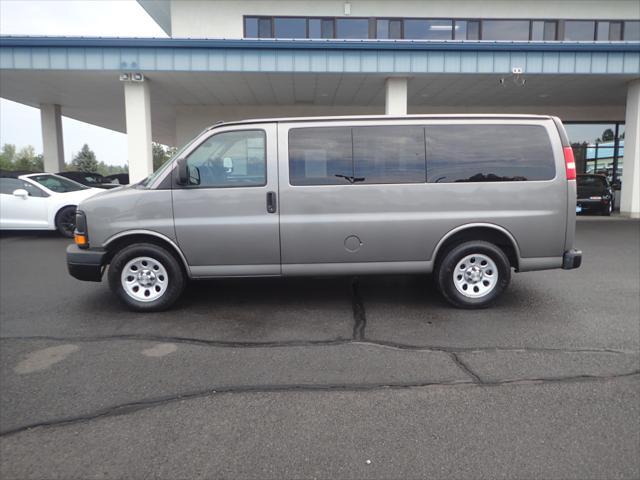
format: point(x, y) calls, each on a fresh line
point(81, 240)
point(570, 163)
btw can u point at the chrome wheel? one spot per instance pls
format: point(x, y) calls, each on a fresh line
point(144, 279)
point(475, 276)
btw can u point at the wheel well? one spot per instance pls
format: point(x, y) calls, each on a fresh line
point(55, 217)
point(119, 243)
point(487, 234)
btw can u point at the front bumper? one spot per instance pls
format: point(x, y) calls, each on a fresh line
point(87, 265)
point(572, 259)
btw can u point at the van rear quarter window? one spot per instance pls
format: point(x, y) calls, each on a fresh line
point(488, 153)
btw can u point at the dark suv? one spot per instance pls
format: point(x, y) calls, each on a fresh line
point(595, 195)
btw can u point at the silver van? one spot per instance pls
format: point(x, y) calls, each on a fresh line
point(465, 197)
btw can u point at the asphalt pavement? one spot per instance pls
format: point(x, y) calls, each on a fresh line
point(337, 377)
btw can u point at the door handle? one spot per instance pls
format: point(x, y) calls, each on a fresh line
point(272, 202)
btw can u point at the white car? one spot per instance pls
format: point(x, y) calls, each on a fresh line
point(40, 201)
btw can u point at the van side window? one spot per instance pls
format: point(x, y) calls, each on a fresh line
point(343, 155)
point(488, 153)
point(229, 159)
point(389, 154)
point(320, 156)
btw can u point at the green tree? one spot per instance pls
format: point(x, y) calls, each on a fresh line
point(85, 160)
point(26, 159)
point(7, 156)
point(159, 155)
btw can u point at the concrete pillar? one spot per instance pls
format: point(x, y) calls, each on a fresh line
point(630, 194)
point(52, 145)
point(138, 117)
point(395, 96)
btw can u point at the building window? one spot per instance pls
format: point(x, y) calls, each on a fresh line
point(290, 27)
point(505, 30)
point(543, 30)
point(320, 28)
point(441, 29)
point(579, 30)
point(352, 28)
point(632, 31)
point(389, 28)
point(428, 29)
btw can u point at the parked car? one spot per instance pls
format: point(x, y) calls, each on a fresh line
point(40, 201)
point(94, 180)
point(118, 178)
point(595, 195)
point(468, 198)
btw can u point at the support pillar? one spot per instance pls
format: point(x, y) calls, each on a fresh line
point(630, 194)
point(52, 144)
point(138, 117)
point(396, 96)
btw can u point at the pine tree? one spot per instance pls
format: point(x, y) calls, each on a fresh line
point(85, 160)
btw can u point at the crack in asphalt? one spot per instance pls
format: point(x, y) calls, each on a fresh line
point(358, 338)
point(465, 368)
point(311, 343)
point(359, 315)
point(133, 407)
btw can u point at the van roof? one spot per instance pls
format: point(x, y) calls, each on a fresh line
point(383, 117)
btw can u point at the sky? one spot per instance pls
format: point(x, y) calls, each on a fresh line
point(20, 124)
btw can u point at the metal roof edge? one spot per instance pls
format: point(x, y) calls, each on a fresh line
point(338, 118)
point(315, 44)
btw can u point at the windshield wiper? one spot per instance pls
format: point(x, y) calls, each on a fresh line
point(351, 179)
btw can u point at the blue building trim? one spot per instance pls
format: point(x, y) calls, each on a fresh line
point(319, 44)
point(403, 57)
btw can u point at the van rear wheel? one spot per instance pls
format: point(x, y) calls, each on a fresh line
point(146, 277)
point(473, 274)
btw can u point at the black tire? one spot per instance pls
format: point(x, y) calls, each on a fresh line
point(444, 274)
point(66, 221)
point(606, 211)
point(176, 278)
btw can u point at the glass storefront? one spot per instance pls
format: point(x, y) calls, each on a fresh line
point(598, 148)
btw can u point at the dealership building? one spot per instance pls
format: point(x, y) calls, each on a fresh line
point(228, 60)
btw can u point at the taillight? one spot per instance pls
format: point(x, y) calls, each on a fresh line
point(570, 163)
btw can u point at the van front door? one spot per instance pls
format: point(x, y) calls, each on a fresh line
point(227, 216)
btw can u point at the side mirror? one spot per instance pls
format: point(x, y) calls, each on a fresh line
point(183, 172)
point(21, 193)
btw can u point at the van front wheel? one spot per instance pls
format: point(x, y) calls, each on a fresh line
point(473, 274)
point(146, 277)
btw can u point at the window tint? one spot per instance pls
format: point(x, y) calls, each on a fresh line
point(290, 27)
point(543, 30)
point(9, 185)
point(251, 27)
point(58, 184)
point(318, 155)
point(505, 29)
point(264, 28)
point(391, 29)
point(352, 28)
point(428, 29)
point(632, 31)
point(229, 159)
point(488, 153)
point(591, 181)
point(389, 154)
point(579, 30)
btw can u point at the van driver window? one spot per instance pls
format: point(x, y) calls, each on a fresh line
point(229, 159)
